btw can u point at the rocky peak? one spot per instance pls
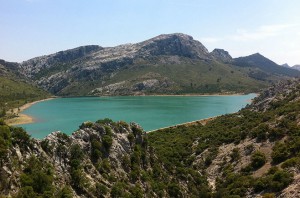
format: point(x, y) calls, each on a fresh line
point(175, 44)
point(35, 65)
point(221, 55)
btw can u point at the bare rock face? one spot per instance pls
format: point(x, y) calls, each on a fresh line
point(175, 44)
point(221, 55)
point(33, 66)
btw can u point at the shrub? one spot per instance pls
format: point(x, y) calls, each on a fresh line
point(280, 152)
point(174, 190)
point(280, 180)
point(118, 190)
point(292, 162)
point(130, 138)
point(258, 159)
point(95, 150)
point(107, 141)
point(101, 190)
point(20, 136)
point(260, 132)
point(86, 125)
point(37, 177)
point(65, 192)
point(105, 121)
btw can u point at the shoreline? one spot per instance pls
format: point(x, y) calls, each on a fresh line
point(234, 94)
point(23, 118)
point(203, 121)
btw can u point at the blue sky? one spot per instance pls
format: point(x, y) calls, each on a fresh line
point(31, 28)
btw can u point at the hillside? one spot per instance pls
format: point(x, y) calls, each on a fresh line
point(247, 154)
point(166, 64)
point(252, 153)
point(267, 69)
point(15, 90)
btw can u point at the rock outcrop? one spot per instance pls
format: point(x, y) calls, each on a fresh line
point(102, 159)
point(221, 55)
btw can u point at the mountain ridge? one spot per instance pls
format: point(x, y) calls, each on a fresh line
point(165, 64)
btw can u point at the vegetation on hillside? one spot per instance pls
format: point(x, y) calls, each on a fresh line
point(279, 125)
point(15, 91)
point(174, 162)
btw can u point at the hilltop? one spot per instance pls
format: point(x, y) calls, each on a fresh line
point(166, 64)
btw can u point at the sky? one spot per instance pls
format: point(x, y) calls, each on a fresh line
point(30, 28)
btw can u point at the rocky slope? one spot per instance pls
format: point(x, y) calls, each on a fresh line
point(166, 64)
point(102, 159)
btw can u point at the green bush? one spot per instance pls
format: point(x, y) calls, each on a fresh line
point(280, 152)
point(292, 162)
point(36, 179)
point(95, 150)
point(105, 121)
point(65, 192)
point(101, 190)
point(258, 159)
point(174, 190)
point(107, 141)
point(118, 190)
point(20, 137)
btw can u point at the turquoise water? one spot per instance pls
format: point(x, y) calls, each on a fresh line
point(151, 112)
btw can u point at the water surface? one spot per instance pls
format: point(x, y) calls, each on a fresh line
point(151, 112)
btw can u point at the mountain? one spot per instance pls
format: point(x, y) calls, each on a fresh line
point(166, 64)
point(297, 67)
point(266, 68)
point(251, 153)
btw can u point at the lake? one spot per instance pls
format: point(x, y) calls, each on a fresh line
point(151, 112)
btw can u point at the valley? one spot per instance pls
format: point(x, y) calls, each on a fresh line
point(251, 153)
